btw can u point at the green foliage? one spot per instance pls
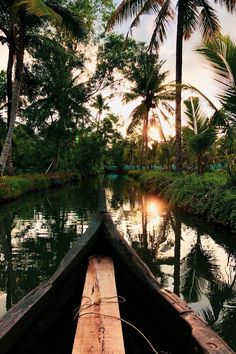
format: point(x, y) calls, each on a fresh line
point(88, 154)
point(115, 56)
point(221, 55)
point(199, 135)
point(135, 173)
point(13, 187)
point(209, 195)
point(155, 181)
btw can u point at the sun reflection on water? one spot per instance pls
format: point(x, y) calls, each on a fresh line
point(186, 256)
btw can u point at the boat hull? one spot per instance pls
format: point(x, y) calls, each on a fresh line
point(45, 322)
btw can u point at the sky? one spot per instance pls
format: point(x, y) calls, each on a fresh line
point(195, 69)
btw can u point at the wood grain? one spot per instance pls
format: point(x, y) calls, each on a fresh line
point(99, 328)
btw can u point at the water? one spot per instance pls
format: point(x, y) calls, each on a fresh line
point(35, 233)
point(193, 258)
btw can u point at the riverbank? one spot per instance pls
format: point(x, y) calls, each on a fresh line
point(12, 188)
point(212, 195)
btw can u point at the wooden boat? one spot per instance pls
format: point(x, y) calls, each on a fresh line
point(45, 320)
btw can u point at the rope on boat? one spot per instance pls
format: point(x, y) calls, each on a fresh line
point(120, 299)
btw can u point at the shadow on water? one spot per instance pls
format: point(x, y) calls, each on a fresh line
point(193, 258)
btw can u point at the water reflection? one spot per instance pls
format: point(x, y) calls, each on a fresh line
point(188, 256)
point(35, 234)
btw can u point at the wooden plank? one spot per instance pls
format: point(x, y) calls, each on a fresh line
point(99, 328)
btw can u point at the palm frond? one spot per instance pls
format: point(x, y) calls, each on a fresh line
point(199, 143)
point(190, 18)
point(167, 107)
point(149, 6)
point(71, 22)
point(165, 14)
point(62, 17)
point(196, 119)
point(39, 8)
point(209, 22)
point(199, 267)
point(217, 53)
point(50, 45)
point(165, 95)
point(136, 116)
point(221, 55)
point(196, 90)
point(129, 96)
point(127, 9)
point(230, 4)
point(157, 122)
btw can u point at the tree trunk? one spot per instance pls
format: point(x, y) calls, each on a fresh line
point(143, 145)
point(20, 37)
point(200, 164)
point(9, 163)
point(10, 64)
point(145, 139)
point(179, 60)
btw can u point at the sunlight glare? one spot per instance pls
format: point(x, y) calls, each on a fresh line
point(152, 206)
point(153, 133)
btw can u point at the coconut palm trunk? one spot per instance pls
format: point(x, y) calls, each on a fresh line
point(179, 64)
point(10, 65)
point(15, 94)
point(144, 153)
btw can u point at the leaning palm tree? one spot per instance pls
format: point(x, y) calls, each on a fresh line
point(191, 15)
point(221, 55)
point(20, 14)
point(148, 81)
point(199, 133)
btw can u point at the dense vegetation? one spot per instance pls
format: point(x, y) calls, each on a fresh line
point(212, 195)
point(63, 73)
point(13, 187)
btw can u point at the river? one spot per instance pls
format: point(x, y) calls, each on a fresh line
point(189, 256)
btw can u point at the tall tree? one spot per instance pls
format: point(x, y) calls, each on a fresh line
point(16, 37)
point(191, 15)
point(148, 83)
point(100, 105)
point(58, 97)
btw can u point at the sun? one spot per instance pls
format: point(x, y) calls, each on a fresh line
point(153, 133)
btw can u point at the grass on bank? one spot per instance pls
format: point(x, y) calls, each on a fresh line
point(13, 187)
point(212, 195)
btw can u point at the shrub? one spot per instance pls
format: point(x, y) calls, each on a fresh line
point(13, 187)
point(211, 195)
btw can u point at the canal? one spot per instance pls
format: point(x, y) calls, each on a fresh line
point(189, 256)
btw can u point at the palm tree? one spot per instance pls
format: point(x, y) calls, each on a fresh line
point(100, 105)
point(148, 83)
point(191, 15)
point(221, 55)
point(19, 20)
point(199, 133)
